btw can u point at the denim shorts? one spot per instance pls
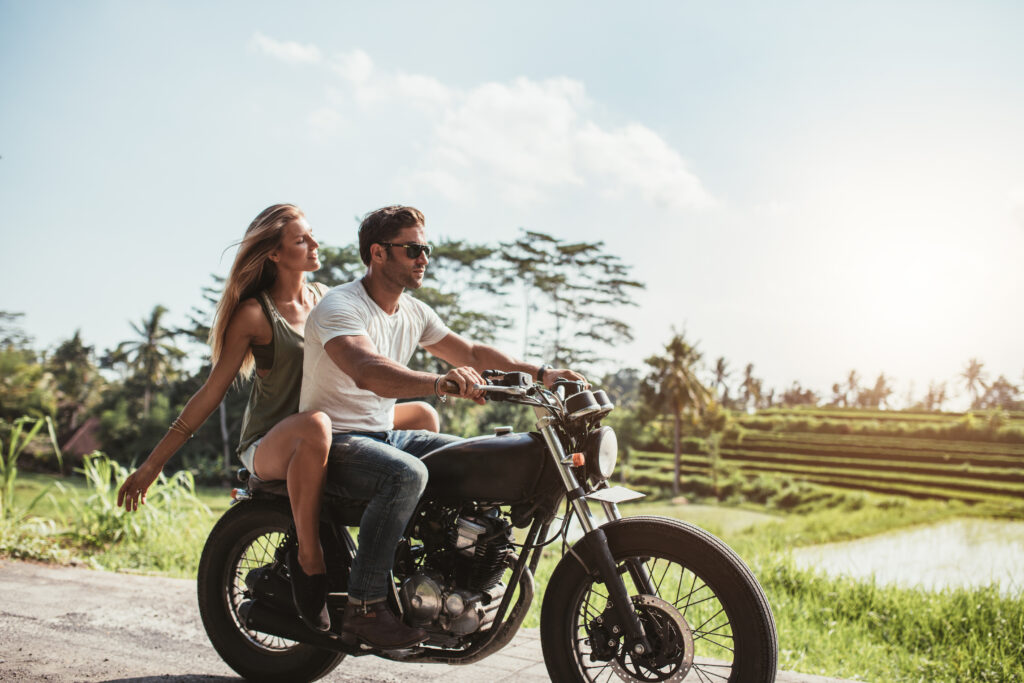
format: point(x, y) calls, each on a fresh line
point(248, 454)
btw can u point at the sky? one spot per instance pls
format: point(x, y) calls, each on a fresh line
point(811, 187)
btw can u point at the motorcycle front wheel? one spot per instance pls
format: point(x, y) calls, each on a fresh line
point(247, 537)
point(703, 612)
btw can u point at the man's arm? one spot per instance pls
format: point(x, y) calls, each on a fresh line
point(358, 358)
point(459, 351)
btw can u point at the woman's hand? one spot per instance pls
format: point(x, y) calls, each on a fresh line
point(133, 491)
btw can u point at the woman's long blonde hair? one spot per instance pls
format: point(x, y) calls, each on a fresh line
point(251, 273)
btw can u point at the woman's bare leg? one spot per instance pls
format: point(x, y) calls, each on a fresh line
point(417, 415)
point(296, 450)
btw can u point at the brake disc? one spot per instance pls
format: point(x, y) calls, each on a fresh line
point(673, 634)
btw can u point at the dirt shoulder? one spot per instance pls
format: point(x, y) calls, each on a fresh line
point(67, 624)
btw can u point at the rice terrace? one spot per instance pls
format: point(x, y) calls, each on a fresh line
point(944, 456)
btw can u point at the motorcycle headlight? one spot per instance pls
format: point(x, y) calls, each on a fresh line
point(602, 450)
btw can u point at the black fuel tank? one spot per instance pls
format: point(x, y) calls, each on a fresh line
point(506, 469)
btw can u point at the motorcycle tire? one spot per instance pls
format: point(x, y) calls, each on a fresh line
point(246, 537)
point(705, 615)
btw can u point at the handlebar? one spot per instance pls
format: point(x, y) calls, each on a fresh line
point(452, 388)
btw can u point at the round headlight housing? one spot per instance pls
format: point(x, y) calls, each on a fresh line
point(602, 451)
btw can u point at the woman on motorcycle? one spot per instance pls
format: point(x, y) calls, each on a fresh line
point(258, 332)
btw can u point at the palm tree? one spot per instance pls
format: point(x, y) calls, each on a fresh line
point(721, 374)
point(974, 379)
point(673, 384)
point(152, 356)
point(881, 392)
point(77, 380)
point(852, 388)
point(751, 387)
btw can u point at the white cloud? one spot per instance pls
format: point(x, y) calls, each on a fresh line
point(636, 159)
point(286, 51)
point(355, 67)
point(524, 140)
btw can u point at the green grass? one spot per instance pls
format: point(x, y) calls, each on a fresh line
point(72, 520)
point(31, 484)
point(836, 627)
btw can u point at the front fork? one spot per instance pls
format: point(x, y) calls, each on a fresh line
point(606, 568)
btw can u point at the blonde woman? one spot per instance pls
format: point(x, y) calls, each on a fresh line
point(258, 332)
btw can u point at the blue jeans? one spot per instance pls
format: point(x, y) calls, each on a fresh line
point(383, 468)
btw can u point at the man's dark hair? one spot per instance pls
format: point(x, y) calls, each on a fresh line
point(384, 224)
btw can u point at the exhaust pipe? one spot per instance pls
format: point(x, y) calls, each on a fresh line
point(259, 616)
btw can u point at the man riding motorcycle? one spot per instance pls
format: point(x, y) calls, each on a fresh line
point(359, 339)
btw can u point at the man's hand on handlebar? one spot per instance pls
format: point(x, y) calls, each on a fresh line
point(555, 374)
point(463, 379)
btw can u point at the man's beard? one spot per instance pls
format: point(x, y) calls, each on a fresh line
point(406, 278)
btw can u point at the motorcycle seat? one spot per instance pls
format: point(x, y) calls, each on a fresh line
point(348, 511)
point(275, 487)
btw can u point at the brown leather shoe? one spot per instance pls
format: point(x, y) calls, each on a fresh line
point(377, 626)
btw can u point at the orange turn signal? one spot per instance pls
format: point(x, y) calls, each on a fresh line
point(578, 460)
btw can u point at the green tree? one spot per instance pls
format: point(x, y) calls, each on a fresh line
point(973, 378)
point(576, 285)
point(463, 284)
point(722, 373)
point(877, 396)
point(1002, 393)
point(797, 395)
point(852, 389)
point(11, 334)
point(935, 397)
point(77, 381)
point(340, 265)
point(151, 358)
point(628, 419)
point(26, 388)
point(750, 388)
point(672, 386)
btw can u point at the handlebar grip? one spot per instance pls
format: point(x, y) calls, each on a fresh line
point(449, 387)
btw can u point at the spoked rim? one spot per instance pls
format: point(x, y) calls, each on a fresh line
point(258, 551)
point(696, 640)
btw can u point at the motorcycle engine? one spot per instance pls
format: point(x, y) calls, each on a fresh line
point(459, 588)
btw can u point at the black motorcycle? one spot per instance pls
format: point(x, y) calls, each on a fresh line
point(639, 598)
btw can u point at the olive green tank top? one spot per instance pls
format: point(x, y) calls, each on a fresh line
point(275, 395)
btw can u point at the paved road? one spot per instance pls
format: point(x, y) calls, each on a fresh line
point(65, 624)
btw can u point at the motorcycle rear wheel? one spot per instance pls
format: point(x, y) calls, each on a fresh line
point(706, 616)
point(246, 537)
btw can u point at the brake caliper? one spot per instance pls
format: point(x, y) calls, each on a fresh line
point(605, 634)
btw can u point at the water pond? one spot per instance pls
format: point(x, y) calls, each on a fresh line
point(958, 553)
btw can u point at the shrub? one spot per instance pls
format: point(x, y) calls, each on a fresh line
point(97, 520)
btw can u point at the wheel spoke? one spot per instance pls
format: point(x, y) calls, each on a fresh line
point(258, 551)
point(691, 595)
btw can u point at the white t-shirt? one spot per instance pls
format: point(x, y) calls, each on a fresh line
point(348, 310)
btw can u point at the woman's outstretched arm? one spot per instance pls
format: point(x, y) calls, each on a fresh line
point(243, 330)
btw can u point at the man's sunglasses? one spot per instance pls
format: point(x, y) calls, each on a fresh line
point(412, 249)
